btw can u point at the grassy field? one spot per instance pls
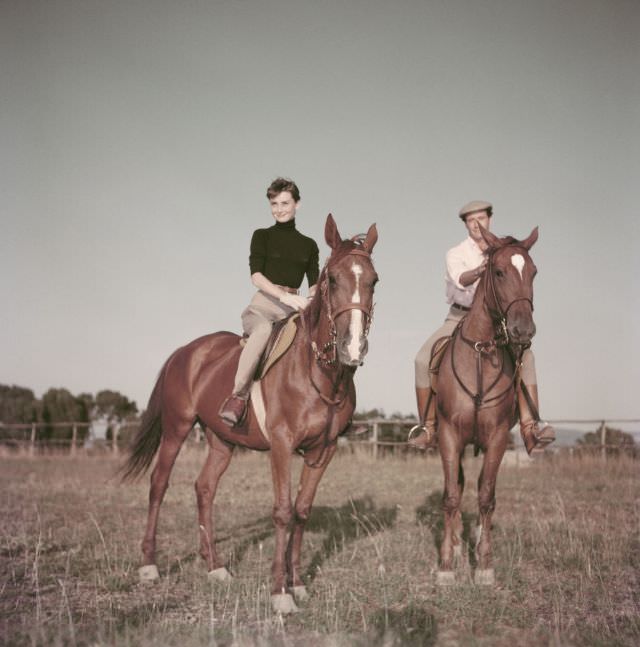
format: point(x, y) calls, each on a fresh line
point(566, 552)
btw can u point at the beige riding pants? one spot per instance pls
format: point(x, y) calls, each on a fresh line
point(257, 321)
point(423, 378)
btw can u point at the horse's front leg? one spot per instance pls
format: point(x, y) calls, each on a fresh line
point(309, 481)
point(281, 455)
point(486, 504)
point(450, 453)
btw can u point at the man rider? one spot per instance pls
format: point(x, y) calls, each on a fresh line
point(465, 264)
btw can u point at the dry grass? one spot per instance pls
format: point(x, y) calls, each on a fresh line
point(567, 557)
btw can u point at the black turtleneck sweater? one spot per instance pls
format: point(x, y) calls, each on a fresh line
point(284, 255)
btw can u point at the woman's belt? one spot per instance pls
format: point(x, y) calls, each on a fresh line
point(286, 288)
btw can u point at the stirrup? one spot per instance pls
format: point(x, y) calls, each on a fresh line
point(418, 426)
point(536, 443)
point(545, 436)
point(431, 436)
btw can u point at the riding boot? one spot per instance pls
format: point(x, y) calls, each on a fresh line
point(427, 437)
point(536, 434)
point(234, 410)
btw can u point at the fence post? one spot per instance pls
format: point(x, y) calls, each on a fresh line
point(32, 444)
point(374, 439)
point(74, 439)
point(603, 440)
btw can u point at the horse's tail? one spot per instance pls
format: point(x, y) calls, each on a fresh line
point(147, 438)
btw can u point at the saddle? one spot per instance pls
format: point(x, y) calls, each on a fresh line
point(282, 336)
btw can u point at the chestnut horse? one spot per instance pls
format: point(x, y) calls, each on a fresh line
point(476, 399)
point(309, 398)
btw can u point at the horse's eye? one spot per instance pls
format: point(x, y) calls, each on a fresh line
point(499, 273)
point(332, 280)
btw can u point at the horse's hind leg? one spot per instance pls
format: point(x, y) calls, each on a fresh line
point(309, 481)
point(172, 440)
point(486, 504)
point(206, 484)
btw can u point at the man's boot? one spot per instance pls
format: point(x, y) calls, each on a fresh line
point(427, 437)
point(536, 434)
point(234, 410)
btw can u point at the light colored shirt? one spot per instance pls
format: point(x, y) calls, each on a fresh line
point(460, 259)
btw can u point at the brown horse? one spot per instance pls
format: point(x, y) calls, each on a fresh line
point(476, 400)
point(309, 398)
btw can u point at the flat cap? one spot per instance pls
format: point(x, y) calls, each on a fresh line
point(473, 206)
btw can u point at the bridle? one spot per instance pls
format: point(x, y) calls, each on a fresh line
point(327, 356)
point(502, 336)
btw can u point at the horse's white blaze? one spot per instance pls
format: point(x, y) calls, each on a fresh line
point(517, 260)
point(355, 325)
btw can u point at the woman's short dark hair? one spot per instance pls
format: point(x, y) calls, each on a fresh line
point(281, 184)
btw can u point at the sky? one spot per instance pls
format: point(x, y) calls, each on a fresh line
point(137, 139)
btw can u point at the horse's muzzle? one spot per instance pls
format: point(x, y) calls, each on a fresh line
point(346, 354)
point(521, 332)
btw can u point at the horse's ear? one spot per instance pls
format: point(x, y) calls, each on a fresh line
point(530, 241)
point(371, 238)
point(331, 234)
point(491, 239)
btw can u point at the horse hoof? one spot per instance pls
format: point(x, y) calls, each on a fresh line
point(283, 603)
point(445, 578)
point(219, 574)
point(300, 593)
point(484, 577)
point(148, 573)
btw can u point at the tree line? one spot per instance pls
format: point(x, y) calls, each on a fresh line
point(19, 405)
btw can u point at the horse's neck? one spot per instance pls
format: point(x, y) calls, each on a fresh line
point(478, 324)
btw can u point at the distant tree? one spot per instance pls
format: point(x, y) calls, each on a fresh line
point(371, 413)
point(89, 401)
point(616, 440)
point(18, 405)
point(396, 415)
point(114, 406)
point(59, 405)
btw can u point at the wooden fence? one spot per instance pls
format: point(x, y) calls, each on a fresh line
point(375, 433)
point(373, 436)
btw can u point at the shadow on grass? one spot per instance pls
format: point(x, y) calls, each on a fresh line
point(354, 519)
point(341, 525)
point(410, 626)
point(430, 514)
